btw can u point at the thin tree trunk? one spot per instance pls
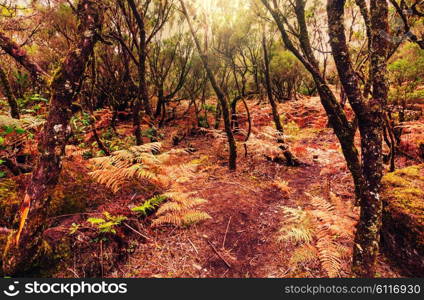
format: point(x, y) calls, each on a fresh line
point(344, 130)
point(100, 144)
point(14, 110)
point(143, 96)
point(291, 159)
point(219, 93)
point(23, 248)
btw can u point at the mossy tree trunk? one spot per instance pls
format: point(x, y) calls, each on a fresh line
point(219, 93)
point(370, 122)
point(24, 246)
point(14, 109)
point(20, 55)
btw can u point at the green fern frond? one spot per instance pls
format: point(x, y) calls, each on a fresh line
point(149, 205)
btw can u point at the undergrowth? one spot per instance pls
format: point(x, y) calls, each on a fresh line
point(320, 233)
point(148, 164)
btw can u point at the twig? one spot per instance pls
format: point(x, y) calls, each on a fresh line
point(138, 232)
point(194, 247)
point(226, 232)
point(74, 272)
point(217, 253)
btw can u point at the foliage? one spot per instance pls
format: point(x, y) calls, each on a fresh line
point(322, 232)
point(108, 223)
point(287, 73)
point(149, 205)
point(181, 210)
point(406, 72)
point(146, 163)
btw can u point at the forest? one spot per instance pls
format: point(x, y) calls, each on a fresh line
point(212, 139)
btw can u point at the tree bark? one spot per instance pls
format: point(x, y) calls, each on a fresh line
point(23, 246)
point(20, 55)
point(219, 93)
point(370, 118)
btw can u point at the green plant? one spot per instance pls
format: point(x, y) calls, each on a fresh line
point(203, 122)
point(209, 108)
point(2, 174)
point(10, 136)
point(150, 205)
point(108, 224)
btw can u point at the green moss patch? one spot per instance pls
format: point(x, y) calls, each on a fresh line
point(403, 218)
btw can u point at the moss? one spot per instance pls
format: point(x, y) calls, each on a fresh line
point(393, 179)
point(55, 257)
point(404, 190)
point(414, 172)
point(403, 217)
point(68, 200)
point(200, 161)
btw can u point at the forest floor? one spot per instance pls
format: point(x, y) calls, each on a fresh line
point(242, 237)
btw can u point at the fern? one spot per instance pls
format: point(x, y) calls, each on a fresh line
point(108, 224)
point(319, 233)
point(304, 254)
point(186, 218)
point(180, 210)
point(147, 163)
point(149, 205)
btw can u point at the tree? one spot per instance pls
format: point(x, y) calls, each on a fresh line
point(24, 244)
point(142, 38)
point(291, 160)
point(343, 128)
point(370, 115)
point(15, 51)
point(14, 109)
point(367, 175)
point(170, 63)
point(219, 93)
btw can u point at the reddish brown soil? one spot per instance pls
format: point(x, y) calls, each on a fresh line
point(246, 207)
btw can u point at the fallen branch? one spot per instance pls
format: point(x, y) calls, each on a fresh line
point(136, 231)
point(217, 253)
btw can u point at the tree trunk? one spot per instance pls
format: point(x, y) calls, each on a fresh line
point(370, 118)
point(143, 96)
point(219, 93)
point(368, 233)
point(161, 101)
point(14, 110)
point(291, 160)
point(344, 130)
point(23, 247)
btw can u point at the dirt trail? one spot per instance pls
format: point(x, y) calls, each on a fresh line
point(241, 239)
